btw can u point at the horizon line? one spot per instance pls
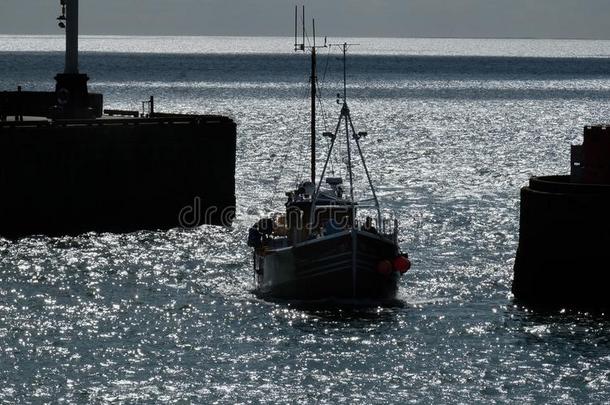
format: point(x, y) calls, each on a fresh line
point(290, 37)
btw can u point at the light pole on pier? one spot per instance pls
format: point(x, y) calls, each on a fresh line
point(71, 36)
point(72, 95)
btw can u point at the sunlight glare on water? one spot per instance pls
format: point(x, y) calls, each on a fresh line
point(455, 129)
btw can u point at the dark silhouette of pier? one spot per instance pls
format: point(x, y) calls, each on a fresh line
point(68, 166)
point(562, 259)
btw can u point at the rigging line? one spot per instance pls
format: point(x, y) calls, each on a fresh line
point(326, 65)
point(274, 197)
point(366, 170)
point(307, 37)
point(321, 104)
point(325, 115)
point(337, 157)
point(323, 80)
point(324, 119)
point(331, 150)
point(336, 161)
point(303, 144)
point(301, 159)
point(319, 97)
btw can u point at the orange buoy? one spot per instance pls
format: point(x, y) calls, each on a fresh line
point(402, 264)
point(384, 267)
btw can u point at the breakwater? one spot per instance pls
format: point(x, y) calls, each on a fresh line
point(62, 177)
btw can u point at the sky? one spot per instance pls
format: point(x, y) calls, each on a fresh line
point(579, 19)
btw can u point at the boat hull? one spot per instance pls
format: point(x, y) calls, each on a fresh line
point(341, 266)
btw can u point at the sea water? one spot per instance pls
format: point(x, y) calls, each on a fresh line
point(455, 128)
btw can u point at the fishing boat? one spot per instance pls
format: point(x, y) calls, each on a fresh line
point(320, 248)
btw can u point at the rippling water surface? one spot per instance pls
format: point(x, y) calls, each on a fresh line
point(455, 129)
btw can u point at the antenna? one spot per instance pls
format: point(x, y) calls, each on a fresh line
point(302, 46)
point(344, 47)
point(299, 46)
point(303, 43)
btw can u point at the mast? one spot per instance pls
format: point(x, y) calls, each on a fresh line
point(350, 133)
point(345, 113)
point(314, 80)
point(344, 72)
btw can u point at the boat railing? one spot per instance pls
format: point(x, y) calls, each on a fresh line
point(387, 228)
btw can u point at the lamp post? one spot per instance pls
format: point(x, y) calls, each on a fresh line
point(71, 36)
point(72, 95)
